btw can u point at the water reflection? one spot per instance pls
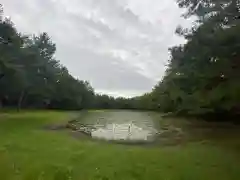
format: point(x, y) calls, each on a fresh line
point(126, 131)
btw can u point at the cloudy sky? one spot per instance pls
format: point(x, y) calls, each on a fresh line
point(119, 46)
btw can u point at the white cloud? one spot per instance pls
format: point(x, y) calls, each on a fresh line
point(120, 46)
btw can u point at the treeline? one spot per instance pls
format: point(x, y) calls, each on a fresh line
point(30, 76)
point(202, 78)
point(203, 75)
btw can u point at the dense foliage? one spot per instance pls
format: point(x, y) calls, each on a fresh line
point(202, 78)
point(30, 76)
point(203, 75)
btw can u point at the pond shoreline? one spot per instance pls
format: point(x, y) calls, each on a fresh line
point(166, 135)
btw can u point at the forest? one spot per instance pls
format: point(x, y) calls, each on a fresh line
point(202, 77)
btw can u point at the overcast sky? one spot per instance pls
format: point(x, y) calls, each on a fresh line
point(119, 46)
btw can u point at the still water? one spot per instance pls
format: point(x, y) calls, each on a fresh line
point(121, 125)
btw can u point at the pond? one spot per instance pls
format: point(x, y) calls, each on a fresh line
point(139, 127)
point(131, 126)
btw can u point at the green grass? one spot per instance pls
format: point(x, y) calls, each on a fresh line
point(30, 152)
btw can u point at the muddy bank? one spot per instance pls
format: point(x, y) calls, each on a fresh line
point(77, 126)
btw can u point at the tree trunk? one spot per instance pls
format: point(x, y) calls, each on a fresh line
point(20, 100)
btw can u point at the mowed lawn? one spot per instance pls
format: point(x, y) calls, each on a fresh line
point(28, 151)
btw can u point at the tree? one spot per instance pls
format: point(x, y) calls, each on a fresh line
point(29, 73)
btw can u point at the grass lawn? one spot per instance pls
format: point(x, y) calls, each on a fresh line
point(30, 152)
